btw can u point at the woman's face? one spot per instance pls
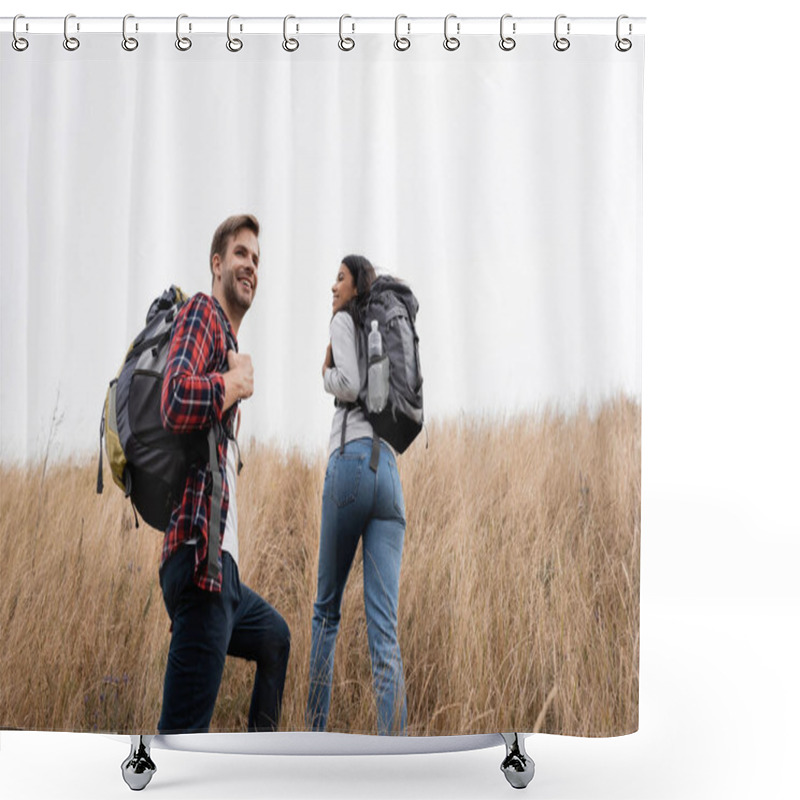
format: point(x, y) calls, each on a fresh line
point(344, 288)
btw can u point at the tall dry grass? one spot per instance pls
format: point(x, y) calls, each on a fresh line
point(519, 599)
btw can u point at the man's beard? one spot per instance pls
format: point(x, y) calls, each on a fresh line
point(232, 296)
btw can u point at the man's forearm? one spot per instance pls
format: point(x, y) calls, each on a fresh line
point(192, 402)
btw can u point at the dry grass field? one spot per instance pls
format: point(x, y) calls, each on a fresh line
point(519, 599)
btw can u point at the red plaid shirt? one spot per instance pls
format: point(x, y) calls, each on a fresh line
point(192, 397)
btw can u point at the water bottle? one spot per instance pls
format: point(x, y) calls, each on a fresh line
point(377, 373)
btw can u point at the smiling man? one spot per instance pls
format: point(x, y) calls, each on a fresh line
point(213, 613)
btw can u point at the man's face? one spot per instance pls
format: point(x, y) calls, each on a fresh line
point(238, 270)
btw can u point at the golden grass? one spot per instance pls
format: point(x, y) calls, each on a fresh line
point(519, 599)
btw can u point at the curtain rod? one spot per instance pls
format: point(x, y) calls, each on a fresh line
point(325, 25)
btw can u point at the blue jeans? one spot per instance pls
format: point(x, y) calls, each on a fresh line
point(207, 626)
point(358, 503)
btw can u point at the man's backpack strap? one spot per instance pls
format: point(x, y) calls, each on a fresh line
point(216, 505)
point(100, 459)
point(215, 521)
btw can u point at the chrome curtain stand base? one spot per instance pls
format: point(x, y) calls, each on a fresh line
point(517, 766)
point(138, 768)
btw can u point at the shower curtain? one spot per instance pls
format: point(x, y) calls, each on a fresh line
point(502, 184)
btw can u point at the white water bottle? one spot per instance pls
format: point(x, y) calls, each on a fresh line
point(378, 372)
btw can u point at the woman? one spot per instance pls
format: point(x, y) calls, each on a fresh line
point(357, 503)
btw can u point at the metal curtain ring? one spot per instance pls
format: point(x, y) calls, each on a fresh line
point(345, 43)
point(70, 42)
point(234, 45)
point(401, 43)
point(183, 43)
point(451, 42)
point(18, 43)
point(561, 43)
point(623, 45)
point(506, 42)
point(289, 45)
point(128, 42)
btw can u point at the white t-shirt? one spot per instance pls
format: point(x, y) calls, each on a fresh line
point(230, 541)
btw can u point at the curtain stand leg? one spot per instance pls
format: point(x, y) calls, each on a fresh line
point(138, 768)
point(517, 766)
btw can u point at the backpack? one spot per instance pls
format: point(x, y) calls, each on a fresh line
point(148, 462)
point(398, 417)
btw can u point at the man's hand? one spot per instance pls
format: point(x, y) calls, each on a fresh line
point(238, 379)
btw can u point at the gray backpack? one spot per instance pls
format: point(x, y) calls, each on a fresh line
point(398, 416)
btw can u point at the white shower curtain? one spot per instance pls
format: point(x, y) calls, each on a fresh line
point(504, 187)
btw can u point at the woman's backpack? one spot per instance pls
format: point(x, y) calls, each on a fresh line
point(391, 304)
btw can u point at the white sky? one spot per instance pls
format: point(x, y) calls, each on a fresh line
point(506, 192)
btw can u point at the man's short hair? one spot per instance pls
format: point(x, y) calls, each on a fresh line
point(230, 227)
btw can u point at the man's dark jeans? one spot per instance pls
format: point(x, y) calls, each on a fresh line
point(207, 626)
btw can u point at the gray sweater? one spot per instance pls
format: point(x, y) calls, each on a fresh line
point(344, 381)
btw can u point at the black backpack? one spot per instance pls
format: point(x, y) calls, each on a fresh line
point(148, 462)
point(392, 304)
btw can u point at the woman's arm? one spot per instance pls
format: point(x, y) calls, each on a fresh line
point(343, 380)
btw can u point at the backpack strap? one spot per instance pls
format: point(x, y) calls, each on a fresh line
point(376, 442)
point(344, 427)
point(216, 505)
point(215, 520)
point(100, 458)
point(376, 451)
point(135, 515)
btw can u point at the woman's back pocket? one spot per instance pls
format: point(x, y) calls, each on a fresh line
point(346, 478)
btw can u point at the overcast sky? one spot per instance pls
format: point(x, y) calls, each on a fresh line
point(507, 193)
